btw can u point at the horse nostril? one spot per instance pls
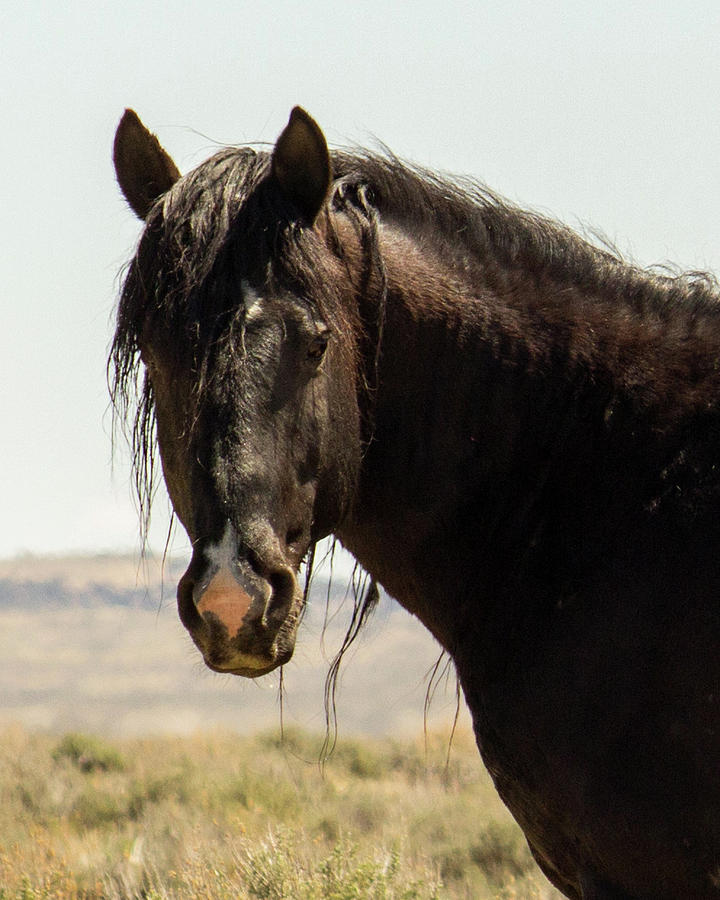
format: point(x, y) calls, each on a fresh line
point(282, 584)
point(189, 615)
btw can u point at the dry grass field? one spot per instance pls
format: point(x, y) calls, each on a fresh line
point(226, 818)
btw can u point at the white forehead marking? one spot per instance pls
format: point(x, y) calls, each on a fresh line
point(253, 301)
point(222, 555)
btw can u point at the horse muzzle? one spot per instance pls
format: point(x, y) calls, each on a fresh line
point(241, 613)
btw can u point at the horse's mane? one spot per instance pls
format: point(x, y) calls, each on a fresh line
point(221, 215)
point(468, 224)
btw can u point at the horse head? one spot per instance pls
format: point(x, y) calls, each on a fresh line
point(234, 305)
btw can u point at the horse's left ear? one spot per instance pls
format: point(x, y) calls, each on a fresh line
point(144, 170)
point(301, 163)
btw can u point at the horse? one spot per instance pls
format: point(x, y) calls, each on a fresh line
point(514, 430)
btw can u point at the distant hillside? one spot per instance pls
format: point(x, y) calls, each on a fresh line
point(30, 582)
point(94, 643)
point(55, 594)
point(84, 572)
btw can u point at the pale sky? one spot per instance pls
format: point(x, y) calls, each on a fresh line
point(603, 114)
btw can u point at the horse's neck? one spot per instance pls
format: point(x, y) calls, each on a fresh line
point(489, 422)
point(453, 415)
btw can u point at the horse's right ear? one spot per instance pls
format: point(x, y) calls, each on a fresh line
point(144, 170)
point(301, 163)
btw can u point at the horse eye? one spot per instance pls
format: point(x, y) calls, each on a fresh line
point(318, 346)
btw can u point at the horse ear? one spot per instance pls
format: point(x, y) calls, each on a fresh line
point(301, 163)
point(144, 170)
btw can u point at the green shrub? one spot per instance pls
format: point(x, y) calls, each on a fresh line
point(89, 753)
point(279, 869)
point(95, 809)
point(500, 850)
point(293, 742)
point(361, 759)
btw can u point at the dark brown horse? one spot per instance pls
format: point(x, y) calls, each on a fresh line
point(516, 433)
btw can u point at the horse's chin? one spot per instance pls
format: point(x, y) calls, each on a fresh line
point(245, 671)
point(247, 667)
